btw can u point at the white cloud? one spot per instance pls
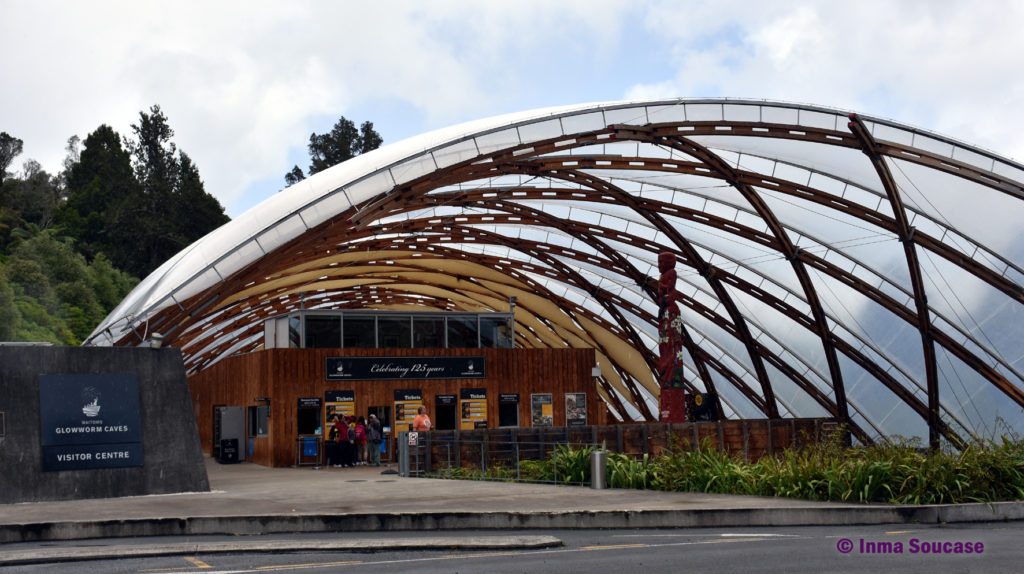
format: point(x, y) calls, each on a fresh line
point(951, 66)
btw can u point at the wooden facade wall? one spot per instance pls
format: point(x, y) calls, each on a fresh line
point(285, 375)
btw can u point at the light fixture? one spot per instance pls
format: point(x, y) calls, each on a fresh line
point(156, 341)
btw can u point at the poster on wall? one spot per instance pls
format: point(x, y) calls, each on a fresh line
point(340, 403)
point(575, 409)
point(473, 404)
point(90, 421)
point(407, 402)
point(542, 410)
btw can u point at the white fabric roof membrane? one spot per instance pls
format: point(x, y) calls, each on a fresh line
point(823, 254)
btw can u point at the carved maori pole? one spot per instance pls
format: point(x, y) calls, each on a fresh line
point(670, 344)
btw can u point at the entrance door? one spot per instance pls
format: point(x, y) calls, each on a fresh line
point(445, 417)
point(384, 416)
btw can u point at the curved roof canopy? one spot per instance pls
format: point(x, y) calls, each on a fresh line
point(832, 264)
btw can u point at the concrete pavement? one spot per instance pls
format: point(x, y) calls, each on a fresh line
point(251, 499)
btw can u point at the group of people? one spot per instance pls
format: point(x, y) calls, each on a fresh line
point(353, 441)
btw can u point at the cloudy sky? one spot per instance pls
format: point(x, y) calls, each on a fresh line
point(244, 83)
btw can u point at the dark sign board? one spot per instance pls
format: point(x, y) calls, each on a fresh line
point(403, 368)
point(444, 399)
point(339, 396)
point(409, 395)
point(508, 397)
point(89, 421)
point(309, 402)
point(575, 409)
point(466, 394)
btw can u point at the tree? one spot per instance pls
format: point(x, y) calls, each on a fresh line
point(100, 186)
point(174, 208)
point(10, 148)
point(294, 176)
point(198, 212)
point(342, 143)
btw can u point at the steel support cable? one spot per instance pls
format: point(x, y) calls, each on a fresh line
point(698, 261)
point(717, 165)
point(807, 387)
point(734, 230)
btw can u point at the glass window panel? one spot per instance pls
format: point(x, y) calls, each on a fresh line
point(494, 333)
point(666, 114)
point(323, 331)
point(742, 113)
point(542, 130)
point(979, 404)
point(778, 115)
point(583, 122)
point(494, 141)
point(703, 112)
point(462, 332)
point(877, 403)
point(631, 116)
point(993, 318)
point(984, 214)
point(394, 332)
point(789, 393)
point(360, 332)
point(428, 332)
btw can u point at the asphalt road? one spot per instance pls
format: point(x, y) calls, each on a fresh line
point(816, 550)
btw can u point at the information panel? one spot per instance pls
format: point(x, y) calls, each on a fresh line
point(340, 403)
point(407, 402)
point(575, 409)
point(89, 421)
point(403, 368)
point(473, 404)
point(542, 410)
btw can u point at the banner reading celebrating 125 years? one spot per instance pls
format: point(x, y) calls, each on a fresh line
point(403, 368)
point(89, 421)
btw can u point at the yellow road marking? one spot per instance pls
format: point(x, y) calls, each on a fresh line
point(899, 531)
point(310, 565)
point(197, 562)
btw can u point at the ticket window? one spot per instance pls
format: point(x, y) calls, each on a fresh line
point(308, 418)
point(508, 414)
point(445, 417)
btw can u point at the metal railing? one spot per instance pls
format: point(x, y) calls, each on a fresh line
point(500, 454)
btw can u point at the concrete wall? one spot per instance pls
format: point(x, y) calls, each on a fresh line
point(173, 460)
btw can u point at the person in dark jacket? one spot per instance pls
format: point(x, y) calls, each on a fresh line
point(374, 436)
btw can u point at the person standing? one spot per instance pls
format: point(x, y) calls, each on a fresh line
point(422, 422)
point(361, 440)
point(334, 438)
point(374, 437)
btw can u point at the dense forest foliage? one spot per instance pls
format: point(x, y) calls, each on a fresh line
point(73, 244)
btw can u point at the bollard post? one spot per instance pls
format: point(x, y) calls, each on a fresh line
point(598, 469)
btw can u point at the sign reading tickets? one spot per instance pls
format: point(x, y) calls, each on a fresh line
point(542, 410)
point(407, 402)
point(338, 403)
point(89, 421)
point(403, 368)
point(474, 409)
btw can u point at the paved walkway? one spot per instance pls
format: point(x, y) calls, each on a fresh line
point(251, 499)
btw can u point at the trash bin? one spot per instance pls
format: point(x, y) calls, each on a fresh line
point(598, 466)
point(228, 451)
